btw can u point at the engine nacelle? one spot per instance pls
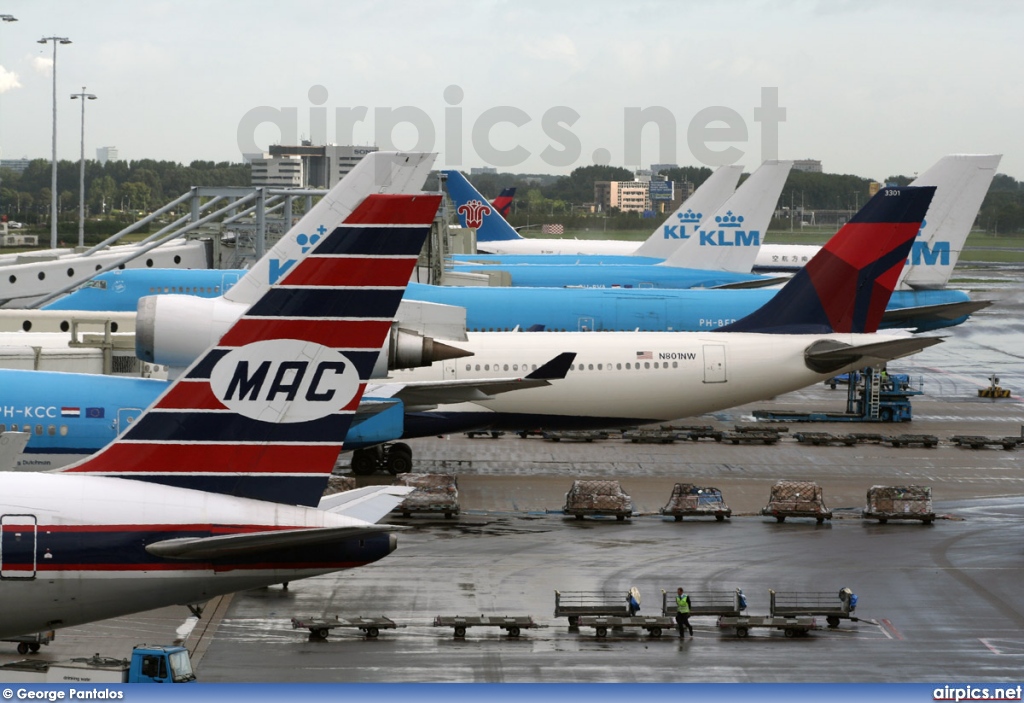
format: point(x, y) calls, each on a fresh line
point(173, 330)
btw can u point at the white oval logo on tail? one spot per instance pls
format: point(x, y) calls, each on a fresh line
point(284, 380)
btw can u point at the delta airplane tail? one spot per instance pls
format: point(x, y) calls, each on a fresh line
point(474, 210)
point(262, 414)
point(503, 203)
point(847, 285)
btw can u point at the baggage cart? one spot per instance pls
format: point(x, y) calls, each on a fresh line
point(979, 441)
point(790, 626)
point(650, 436)
point(576, 435)
point(721, 603)
point(905, 440)
point(899, 503)
point(826, 604)
point(796, 499)
point(688, 500)
point(751, 437)
point(512, 624)
point(32, 643)
point(654, 624)
point(322, 626)
point(575, 604)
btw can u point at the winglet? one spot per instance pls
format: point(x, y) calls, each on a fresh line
point(555, 369)
point(847, 285)
point(474, 210)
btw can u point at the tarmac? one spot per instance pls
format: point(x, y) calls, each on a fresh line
point(935, 603)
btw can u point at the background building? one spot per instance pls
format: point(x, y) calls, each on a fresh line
point(808, 165)
point(107, 153)
point(319, 166)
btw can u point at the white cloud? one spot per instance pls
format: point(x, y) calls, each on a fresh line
point(555, 48)
point(43, 66)
point(8, 80)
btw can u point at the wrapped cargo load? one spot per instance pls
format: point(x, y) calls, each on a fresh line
point(435, 493)
point(899, 503)
point(690, 500)
point(598, 498)
point(797, 499)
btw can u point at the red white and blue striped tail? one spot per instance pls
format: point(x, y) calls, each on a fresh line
point(264, 413)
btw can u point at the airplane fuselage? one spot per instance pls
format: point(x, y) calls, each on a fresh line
point(74, 548)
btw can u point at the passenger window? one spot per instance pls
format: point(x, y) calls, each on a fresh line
point(63, 430)
point(618, 367)
point(647, 364)
point(506, 367)
point(52, 430)
point(39, 430)
point(599, 367)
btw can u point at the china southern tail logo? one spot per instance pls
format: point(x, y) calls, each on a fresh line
point(686, 219)
point(921, 253)
point(306, 242)
point(284, 380)
point(729, 233)
point(474, 212)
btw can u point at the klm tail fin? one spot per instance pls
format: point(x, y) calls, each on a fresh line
point(961, 182)
point(684, 222)
point(847, 285)
point(503, 203)
point(729, 238)
point(264, 412)
point(474, 210)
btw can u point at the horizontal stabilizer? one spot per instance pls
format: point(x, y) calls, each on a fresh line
point(369, 504)
point(829, 355)
point(941, 311)
point(754, 283)
point(223, 546)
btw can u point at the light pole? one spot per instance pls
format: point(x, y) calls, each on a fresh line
point(83, 96)
point(53, 174)
point(7, 18)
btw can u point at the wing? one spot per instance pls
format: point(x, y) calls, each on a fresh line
point(369, 504)
point(256, 542)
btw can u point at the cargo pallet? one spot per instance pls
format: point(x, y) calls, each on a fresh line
point(512, 624)
point(321, 627)
point(978, 441)
point(688, 500)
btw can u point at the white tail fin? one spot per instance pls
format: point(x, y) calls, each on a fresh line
point(710, 196)
point(961, 182)
point(730, 239)
point(394, 173)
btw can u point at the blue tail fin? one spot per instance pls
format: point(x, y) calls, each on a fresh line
point(474, 210)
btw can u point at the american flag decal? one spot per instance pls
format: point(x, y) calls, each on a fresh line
point(641, 356)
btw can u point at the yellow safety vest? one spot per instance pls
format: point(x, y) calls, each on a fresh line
point(683, 604)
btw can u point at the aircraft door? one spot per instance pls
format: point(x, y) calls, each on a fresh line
point(585, 324)
point(714, 363)
point(450, 371)
point(125, 417)
point(227, 280)
point(18, 534)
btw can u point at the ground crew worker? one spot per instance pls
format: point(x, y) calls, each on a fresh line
point(683, 613)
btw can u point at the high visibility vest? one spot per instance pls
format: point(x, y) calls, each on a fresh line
point(683, 604)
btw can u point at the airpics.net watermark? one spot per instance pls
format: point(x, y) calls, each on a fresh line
point(708, 132)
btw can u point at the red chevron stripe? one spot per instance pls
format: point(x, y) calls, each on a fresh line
point(384, 209)
point(337, 334)
point(848, 243)
point(133, 458)
point(354, 271)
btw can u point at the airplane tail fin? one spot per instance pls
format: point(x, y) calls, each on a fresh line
point(684, 222)
point(263, 414)
point(961, 181)
point(730, 239)
point(503, 203)
point(847, 285)
point(474, 210)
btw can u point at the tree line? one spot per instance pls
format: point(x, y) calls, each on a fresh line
point(560, 199)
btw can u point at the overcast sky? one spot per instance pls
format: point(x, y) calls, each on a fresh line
point(869, 88)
